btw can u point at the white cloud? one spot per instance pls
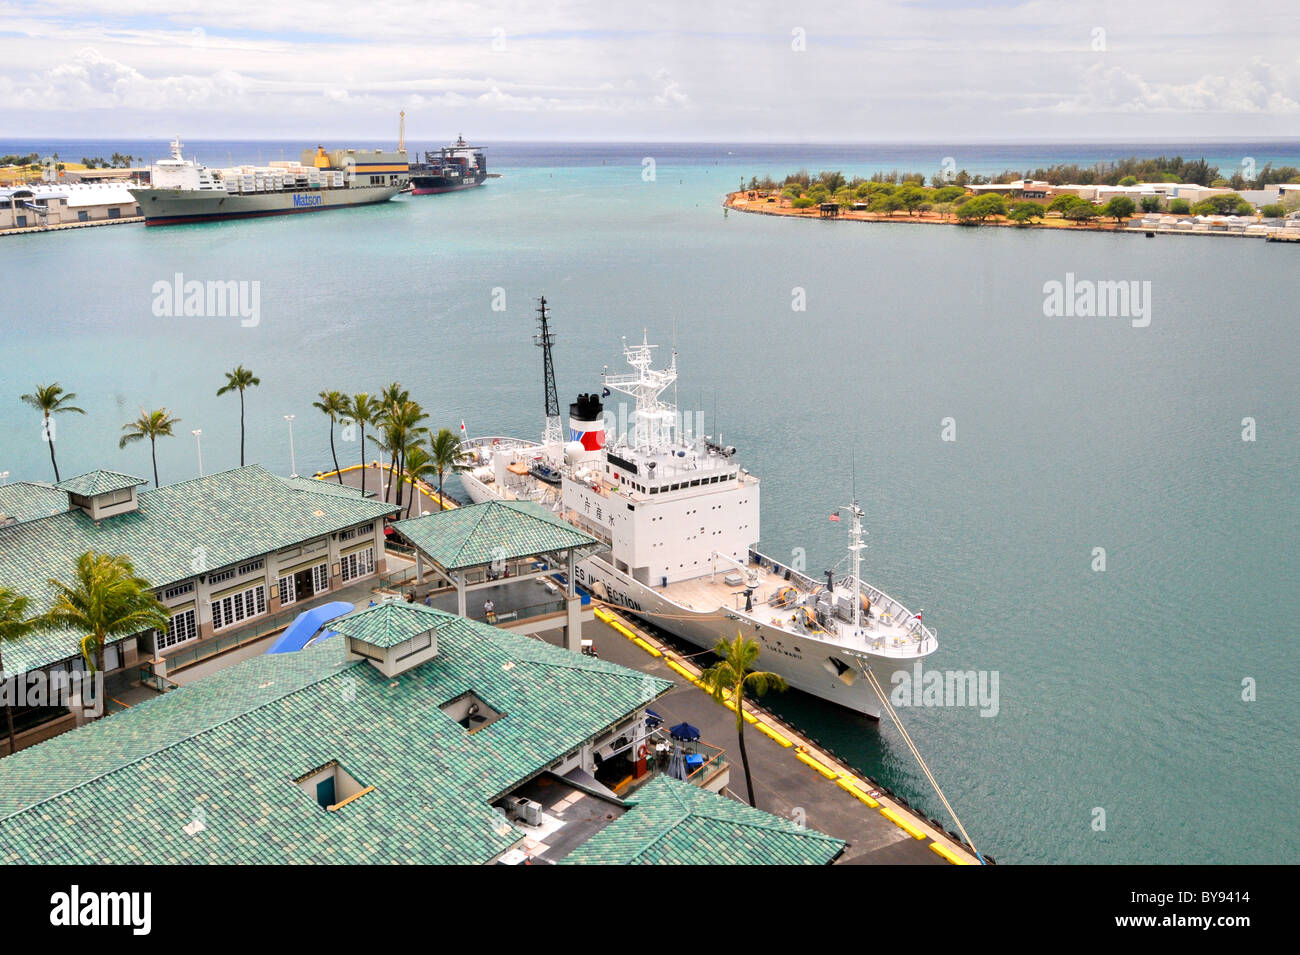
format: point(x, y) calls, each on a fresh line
point(1258, 87)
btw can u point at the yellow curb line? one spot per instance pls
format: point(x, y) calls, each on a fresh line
point(902, 823)
point(849, 783)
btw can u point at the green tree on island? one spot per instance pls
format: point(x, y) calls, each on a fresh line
point(981, 208)
point(1150, 203)
point(1024, 212)
point(1063, 202)
point(50, 400)
point(1179, 207)
point(241, 379)
point(730, 677)
point(15, 624)
point(1082, 212)
point(105, 599)
point(1119, 208)
point(152, 425)
point(334, 404)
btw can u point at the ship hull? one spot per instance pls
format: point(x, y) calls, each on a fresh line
point(801, 660)
point(436, 188)
point(179, 207)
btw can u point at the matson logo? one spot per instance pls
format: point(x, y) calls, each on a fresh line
point(77, 908)
point(302, 200)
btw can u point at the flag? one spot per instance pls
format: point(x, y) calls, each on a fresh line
point(835, 517)
point(462, 425)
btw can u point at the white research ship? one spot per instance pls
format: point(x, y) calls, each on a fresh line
point(679, 518)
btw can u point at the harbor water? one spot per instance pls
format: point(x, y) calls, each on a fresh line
point(1146, 705)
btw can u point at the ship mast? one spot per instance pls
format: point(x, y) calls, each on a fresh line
point(552, 436)
point(856, 546)
point(654, 418)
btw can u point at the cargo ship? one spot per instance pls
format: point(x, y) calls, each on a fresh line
point(449, 169)
point(182, 190)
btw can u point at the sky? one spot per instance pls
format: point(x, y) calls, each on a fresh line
point(726, 71)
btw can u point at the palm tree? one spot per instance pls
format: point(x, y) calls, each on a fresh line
point(334, 404)
point(14, 625)
point(105, 599)
point(391, 400)
point(51, 400)
point(239, 380)
point(420, 465)
point(447, 456)
point(362, 409)
point(730, 677)
point(402, 431)
point(152, 425)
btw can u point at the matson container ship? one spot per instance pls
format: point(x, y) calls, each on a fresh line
point(182, 190)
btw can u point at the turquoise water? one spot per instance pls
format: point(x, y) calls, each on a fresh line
point(1119, 690)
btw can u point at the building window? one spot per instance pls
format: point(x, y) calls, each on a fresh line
point(221, 576)
point(348, 534)
point(173, 592)
point(251, 566)
point(181, 629)
point(115, 213)
point(288, 593)
point(321, 577)
point(238, 607)
point(83, 215)
point(357, 564)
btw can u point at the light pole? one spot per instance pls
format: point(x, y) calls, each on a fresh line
point(198, 443)
point(293, 465)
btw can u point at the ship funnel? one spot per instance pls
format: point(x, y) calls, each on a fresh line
point(587, 424)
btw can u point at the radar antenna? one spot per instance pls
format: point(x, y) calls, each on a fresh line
point(552, 437)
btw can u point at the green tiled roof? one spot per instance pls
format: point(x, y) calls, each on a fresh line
point(491, 531)
point(322, 486)
point(220, 519)
point(99, 482)
point(226, 750)
point(388, 624)
point(26, 501)
point(675, 823)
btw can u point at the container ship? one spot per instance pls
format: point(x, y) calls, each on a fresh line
point(182, 190)
point(449, 169)
point(678, 517)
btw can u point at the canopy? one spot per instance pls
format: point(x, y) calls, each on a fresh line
point(307, 624)
point(685, 731)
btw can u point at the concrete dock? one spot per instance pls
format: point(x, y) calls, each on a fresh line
point(793, 777)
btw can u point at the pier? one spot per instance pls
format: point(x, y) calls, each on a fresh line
point(794, 777)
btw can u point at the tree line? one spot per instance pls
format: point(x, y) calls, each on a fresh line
point(397, 429)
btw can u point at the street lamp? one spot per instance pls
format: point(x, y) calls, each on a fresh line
point(293, 465)
point(198, 443)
